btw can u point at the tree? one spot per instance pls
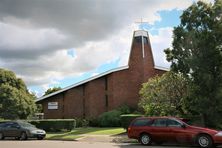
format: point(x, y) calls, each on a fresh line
point(15, 100)
point(165, 95)
point(52, 90)
point(197, 54)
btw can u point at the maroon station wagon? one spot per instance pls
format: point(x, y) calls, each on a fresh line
point(170, 129)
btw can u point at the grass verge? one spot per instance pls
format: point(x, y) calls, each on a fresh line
point(81, 132)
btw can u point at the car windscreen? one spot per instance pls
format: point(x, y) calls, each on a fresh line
point(174, 123)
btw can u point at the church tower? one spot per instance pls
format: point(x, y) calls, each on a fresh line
point(141, 57)
point(141, 67)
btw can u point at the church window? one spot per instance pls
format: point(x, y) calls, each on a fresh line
point(145, 40)
point(106, 92)
point(138, 39)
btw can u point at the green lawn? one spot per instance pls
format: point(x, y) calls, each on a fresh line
point(80, 132)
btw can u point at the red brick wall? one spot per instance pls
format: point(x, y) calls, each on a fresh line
point(52, 114)
point(95, 97)
point(73, 102)
point(79, 101)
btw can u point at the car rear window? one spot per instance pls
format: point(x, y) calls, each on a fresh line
point(160, 122)
point(142, 122)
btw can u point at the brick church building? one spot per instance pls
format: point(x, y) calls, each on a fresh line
point(106, 91)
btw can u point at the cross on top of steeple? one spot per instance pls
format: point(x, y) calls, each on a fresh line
point(141, 22)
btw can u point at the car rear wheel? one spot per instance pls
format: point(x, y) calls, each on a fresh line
point(204, 141)
point(23, 136)
point(145, 139)
point(1, 136)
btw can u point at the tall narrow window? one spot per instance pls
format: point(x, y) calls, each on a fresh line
point(106, 92)
point(84, 101)
point(145, 40)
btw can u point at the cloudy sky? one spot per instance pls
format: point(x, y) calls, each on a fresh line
point(60, 42)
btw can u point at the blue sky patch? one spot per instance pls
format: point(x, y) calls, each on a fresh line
point(168, 19)
point(71, 52)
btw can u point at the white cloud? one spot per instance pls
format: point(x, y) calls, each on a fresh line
point(19, 42)
point(17, 38)
point(160, 42)
point(54, 66)
point(35, 36)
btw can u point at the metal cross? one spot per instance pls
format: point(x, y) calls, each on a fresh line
point(141, 22)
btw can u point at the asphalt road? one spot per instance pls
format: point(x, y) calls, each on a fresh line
point(70, 144)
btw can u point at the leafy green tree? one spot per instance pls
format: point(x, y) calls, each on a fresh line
point(165, 95)
point(52, 90)
point(15, 100)
point(197, 54)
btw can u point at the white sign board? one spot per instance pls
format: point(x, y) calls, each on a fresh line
point(52, 105)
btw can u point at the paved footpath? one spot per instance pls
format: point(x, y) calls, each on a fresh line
point(70, 144)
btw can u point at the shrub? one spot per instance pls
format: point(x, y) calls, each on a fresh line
point(55, 125)
point(219, 127)
point(127, 118)
point(124, 109)
point(110, 119)
point(193, 120)
point(94, 122)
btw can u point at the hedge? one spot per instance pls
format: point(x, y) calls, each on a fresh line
point(110, 119)
point(54, 125)
point(127, 118)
